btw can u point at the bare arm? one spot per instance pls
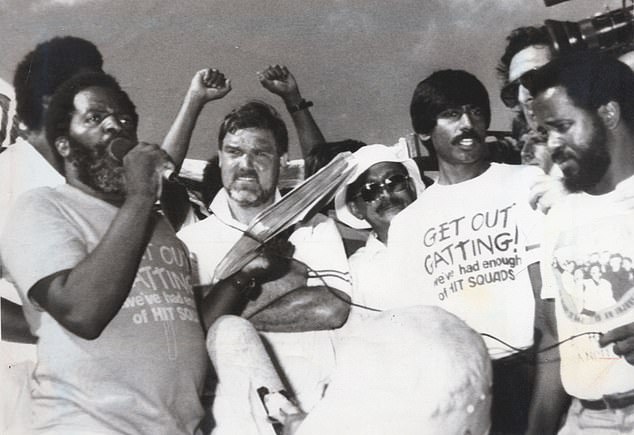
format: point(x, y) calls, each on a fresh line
point(284, 304)
point(14, 326)
point(86, 298)
point(550, 400)
point(206, 85)
point(228, 296)
point(278, 80)
point(623, 340)
point(304, 309)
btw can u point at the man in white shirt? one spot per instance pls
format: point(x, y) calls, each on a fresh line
point(24, 165)
point(584, 102)
point(467, 244)
point(380, 188)
point(300, 298)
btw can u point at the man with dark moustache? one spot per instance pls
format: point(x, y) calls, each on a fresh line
point(105, 281)
point(380, 188)
point(468, 242)
point(586, 104)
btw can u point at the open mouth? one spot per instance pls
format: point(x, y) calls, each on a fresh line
point(246, 178)
point(467, 143)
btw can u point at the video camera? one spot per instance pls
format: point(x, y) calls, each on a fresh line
point(611, 32)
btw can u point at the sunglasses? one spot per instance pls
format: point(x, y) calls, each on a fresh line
point(510, 91)
point(370, 192)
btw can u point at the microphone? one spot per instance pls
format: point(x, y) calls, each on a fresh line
point(119, 147)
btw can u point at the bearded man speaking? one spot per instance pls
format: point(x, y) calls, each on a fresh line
point(104, 280)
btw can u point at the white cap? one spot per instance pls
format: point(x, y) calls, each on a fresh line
point(365, 158)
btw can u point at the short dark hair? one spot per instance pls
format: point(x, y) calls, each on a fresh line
point(321, 154)
point(42, 70)
point(256, 114)
point(517, 41)
point(590, 79)
point(62, 106)
point(442, 90)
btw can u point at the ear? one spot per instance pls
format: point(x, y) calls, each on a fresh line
point(62, 146)
point(220, 158)
point(284, 160)
point(424, 137)
point(355, 210)
point(610, 114)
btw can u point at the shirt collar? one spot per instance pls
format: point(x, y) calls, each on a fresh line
point(220, 208)
point(373, 243)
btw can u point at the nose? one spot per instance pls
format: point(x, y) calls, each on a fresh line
point(554, 142)
point(523, 96)
point(466, 122)
point(383, 193)
point(246, 161)
point(111, 124)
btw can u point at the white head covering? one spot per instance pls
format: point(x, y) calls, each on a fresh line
point(366, 157)
point(415, 370)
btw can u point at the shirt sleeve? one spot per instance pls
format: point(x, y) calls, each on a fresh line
point(319, 245)
point(39, 240)
point(551, 225)
point(530, 222)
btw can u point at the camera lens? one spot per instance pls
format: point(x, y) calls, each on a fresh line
point(610, 31)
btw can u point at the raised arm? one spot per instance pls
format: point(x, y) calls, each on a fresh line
point(84, 299)
point(278, 80)
point(206, 85)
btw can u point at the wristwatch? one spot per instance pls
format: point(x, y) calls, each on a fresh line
point(303, 104)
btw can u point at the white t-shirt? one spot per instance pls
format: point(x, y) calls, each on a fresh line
point(466, 247)
point(578, 230)
point(372, 285)
point(306, 358)
point(22, 168)
point(145, 372)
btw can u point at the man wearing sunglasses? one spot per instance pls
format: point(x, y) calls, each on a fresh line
point(381, 187)
point(468, 242)
point(527, 48)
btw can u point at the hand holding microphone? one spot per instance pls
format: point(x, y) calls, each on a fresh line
point(146, 166)
point(119, 147)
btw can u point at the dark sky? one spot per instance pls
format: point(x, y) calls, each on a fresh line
point(357, 60)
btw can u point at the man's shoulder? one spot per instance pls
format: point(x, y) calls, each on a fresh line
point(316, 226)
point(508, 173)
point(315, 220)
point(195, 229)
point(38, 196)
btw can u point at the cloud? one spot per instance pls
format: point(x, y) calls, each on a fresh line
point(43, 5)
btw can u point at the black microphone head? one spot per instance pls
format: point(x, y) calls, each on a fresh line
point(119, 147)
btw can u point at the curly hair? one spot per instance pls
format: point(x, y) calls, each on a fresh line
point(590, 80)
point(517, 41)
point(42, 70)
point(62, 106)
point(256, 114)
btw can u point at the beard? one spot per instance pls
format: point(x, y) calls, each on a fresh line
point(591, 164)
point(96, 168)
point(249, 194)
